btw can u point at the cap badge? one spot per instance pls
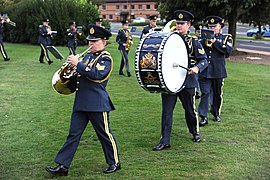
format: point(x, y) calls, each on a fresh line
point(92, 31)
point(212, 20)
point(180, 16)
point(200, 26)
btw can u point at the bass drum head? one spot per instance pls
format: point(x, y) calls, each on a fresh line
point(174, 52)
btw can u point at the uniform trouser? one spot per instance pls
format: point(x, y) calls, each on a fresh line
point(100, 123)
point(186, 96)
point(206, 85)
point(197, 88)
point(3, 51)
point(124, 61)
point(72, 50)
point(44, 52)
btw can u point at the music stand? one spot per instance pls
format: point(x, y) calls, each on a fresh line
point(55, 52)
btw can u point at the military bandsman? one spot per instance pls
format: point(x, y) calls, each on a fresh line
point(187, 95)
point(45, 35)
point(72, 35)
point(124, 39)
point(217, 49)
point(2, 48)
point(92, 103)
point(99, 21)
point(152, 24)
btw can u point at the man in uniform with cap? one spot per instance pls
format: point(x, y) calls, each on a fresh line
point(44, 40)
point(72, 34)
point(198, 62)
point(98, 22)
point(2, 48)
point(217, 49)
point(151, 26)
point(124, 39)
point(92, 103)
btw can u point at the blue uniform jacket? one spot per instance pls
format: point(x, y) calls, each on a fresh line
point(72, 38)
point(44, 38)
point(91, 94)
point(1, 33)
point(146, 30)
point(121, 38)
point(221, 49)
point(197, 58)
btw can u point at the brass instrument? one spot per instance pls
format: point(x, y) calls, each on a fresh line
point(170, 26)
point(208, 35)
point(7, 20)
point(52, 33)
point(64, 79)
point(129, 41)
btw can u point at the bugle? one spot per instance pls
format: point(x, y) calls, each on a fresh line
point(7, 20)
point(64, 79)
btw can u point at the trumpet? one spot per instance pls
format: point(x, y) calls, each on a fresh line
point(64, 79)
point(7, 20)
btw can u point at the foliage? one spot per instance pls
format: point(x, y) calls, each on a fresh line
point(28, 15)
point(34, 123)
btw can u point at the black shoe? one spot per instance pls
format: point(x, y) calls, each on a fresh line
point(217, 119)
point(196, 138)
point(121, 73)
point(203, 121)
point(197, 96)
point(42, 62)
point(129, 74)
point(6, 59)
point(112, 168)
point(160, 147)
point(59, 170)
point(50, 62)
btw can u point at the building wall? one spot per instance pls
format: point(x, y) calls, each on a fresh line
point(117, 11)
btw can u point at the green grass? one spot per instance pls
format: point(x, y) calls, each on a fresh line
point(34, 123)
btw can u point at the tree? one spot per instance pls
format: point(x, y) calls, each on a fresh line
point(230, 10)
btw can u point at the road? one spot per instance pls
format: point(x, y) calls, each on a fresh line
point(250, 45)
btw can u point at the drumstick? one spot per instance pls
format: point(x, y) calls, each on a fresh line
point(178, 65)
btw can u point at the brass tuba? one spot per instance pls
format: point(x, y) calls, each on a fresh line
point(64, 79)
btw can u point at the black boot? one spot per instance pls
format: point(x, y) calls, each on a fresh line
point(217, 119)
point(59, 170)
point(50, 62)
point(112, 168)
point(203, 121)
point(121, 73)
point(196, 137)
point(128, 74)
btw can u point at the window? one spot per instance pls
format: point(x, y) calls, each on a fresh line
point(132, 7)
point(117, 7)
point(125, 7)
point(110, 16)
point(104, 16)
point(104, 7)
point(148, 6)
point(132, 16)
point(140, 7)
point(156, 6)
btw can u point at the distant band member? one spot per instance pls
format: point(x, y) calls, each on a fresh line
point(72, 34)
point(124, 39)
point(92, 104)
point(44, 40)
point(98, 22)
point(3, 51)
point(151, 26)
point(217, 49)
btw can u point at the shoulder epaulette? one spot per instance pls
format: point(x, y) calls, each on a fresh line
point(105, 53)
point(40, 25)
point(228, 35)
point(194, 37)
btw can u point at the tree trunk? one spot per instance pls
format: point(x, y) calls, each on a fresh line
point(232, 19)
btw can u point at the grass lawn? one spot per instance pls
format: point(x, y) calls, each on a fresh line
point(34, 123)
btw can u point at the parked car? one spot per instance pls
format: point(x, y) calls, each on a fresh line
point(266, 34)
point(139, 20)
point(255, 31)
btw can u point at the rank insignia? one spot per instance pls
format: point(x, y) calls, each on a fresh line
point(99, 67)
point(201, 51)
point(87, 69)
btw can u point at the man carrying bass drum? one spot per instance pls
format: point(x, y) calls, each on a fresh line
point(198, 62)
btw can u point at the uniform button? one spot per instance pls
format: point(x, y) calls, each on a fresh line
point(77, 89)
point(209, 57)
point(79, 75)
point(210, 51)
point(209, 62)
point(78, 82)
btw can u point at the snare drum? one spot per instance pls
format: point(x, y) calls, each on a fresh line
point(158, 59)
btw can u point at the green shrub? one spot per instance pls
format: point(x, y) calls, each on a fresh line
point(28, 15)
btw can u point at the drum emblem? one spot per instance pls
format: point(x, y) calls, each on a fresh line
point(150, 79)
point(148, 61)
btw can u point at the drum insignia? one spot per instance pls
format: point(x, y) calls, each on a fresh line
point(150, 79)
point(148, 61)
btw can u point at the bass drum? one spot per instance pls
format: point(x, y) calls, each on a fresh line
point(158, 59)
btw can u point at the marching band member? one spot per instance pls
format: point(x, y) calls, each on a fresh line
point(98, 22)
point(72, 34)
point(198, 62)
point(44, 40)
point(217, 49)
point(152, 24)
point(124, 39)
point(2, 48)
point(92, 103)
